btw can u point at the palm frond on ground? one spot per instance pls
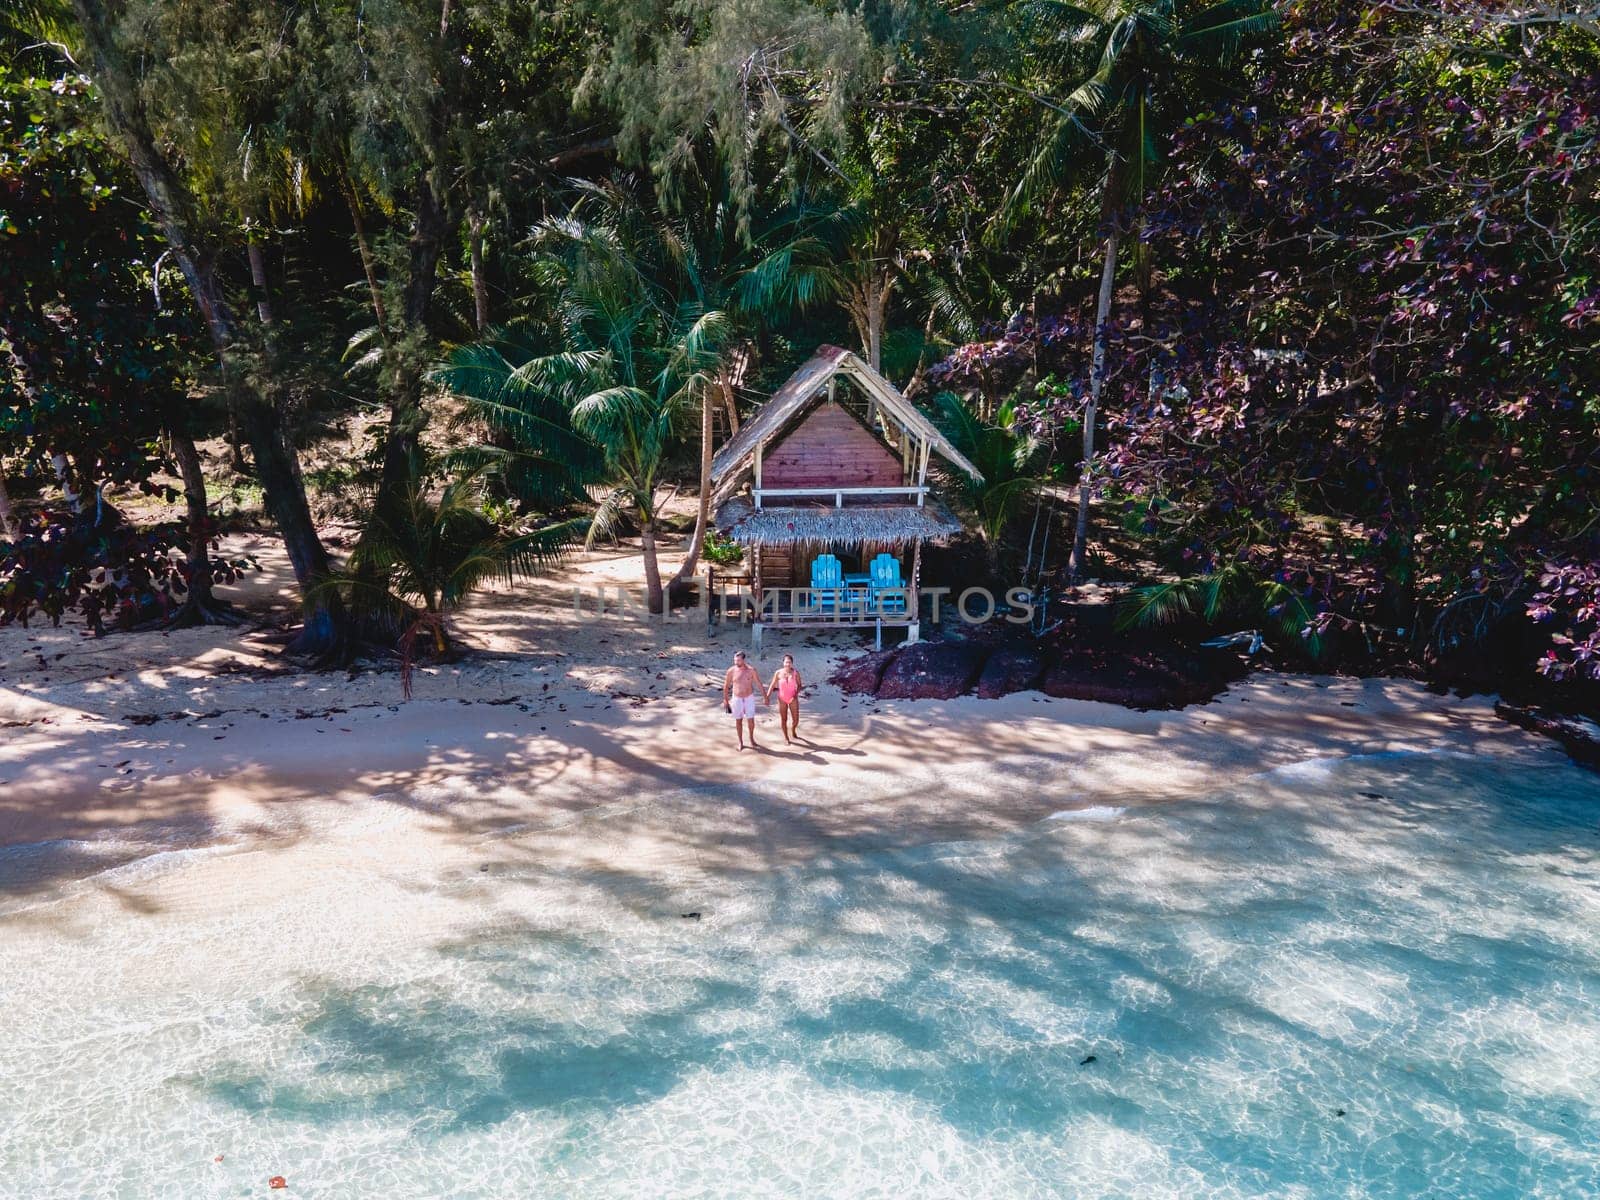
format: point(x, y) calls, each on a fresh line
point(1236, 592)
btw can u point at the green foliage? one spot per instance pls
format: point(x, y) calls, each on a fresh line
point(93, 369)
point(723, 551)
point(754, 76)
point(521, 395)
point(1138, 68)
point(715, 186)
point(1237, 594)
point(421, 559)
point(1007, 457)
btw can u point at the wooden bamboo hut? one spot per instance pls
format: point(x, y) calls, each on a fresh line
point(836, 463)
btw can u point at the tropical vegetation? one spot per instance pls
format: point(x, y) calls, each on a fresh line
point(1287, 313)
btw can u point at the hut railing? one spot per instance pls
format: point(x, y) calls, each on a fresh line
point(761, 494)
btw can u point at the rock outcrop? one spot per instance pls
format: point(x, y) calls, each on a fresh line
point(932, 671)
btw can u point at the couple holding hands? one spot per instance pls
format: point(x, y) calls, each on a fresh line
point(739, 686)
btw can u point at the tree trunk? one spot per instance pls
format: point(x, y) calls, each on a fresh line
point(405, 380)
point(9, 527)
point(200, 607)
point(480, 289)
point(652, 568)
point(914, 384)
point(691, 561)
point(325, 632)
point(869, 294)
point(876, 302)
point(62, 466)
point(235, 440)
point(368, 266)
point(1108, 274)
point(258, 280)
point(258, 274)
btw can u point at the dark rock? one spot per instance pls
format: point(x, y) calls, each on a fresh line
point(1085, 1062)
point(1137, 678)
point(932, 671)
point(1578, 735)
point(1011, 669)
point(860, 676)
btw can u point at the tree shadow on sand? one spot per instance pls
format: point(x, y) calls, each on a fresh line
point(1260, 979)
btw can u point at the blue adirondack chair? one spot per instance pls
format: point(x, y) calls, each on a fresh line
point(827, 578)
point(888, 589)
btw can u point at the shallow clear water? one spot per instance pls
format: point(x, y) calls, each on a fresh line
point(1376, 978)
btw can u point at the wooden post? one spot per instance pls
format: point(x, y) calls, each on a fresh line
point(761, 448)
point(755, 594)
point(914, 600)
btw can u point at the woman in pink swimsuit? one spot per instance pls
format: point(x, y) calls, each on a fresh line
point(786, 682)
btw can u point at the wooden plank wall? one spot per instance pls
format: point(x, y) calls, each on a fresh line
point(830, 448)
point(777, 567)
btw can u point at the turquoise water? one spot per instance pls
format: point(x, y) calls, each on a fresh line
point(1375, 978)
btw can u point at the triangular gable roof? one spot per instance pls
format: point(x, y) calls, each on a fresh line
point(805, 387)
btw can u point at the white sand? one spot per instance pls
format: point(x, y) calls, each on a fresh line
point(581, 744)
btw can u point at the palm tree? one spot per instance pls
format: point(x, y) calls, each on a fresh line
point(656, 315)
point(594, 401)
point(1006, 456)
point(419, 559)
point(1158, 62)
point(731, 272)
point(536, 456)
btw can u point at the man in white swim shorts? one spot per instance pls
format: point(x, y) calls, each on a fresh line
point(739, 696)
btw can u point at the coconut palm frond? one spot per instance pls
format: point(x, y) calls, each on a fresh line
point(1218, 33)
point(605, 412)
point(419, 558)
point(364, 351)
point(1115, 116)
point(1061, 157)
point(603, 524)
point(1290, 612)
point(1156, 604)
point(953, 309)
point(503, 559)
point(1004, 456)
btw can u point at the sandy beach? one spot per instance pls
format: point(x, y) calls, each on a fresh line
point(118, 747)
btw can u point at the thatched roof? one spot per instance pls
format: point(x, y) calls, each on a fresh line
point(852, 525)
point(804, 388)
